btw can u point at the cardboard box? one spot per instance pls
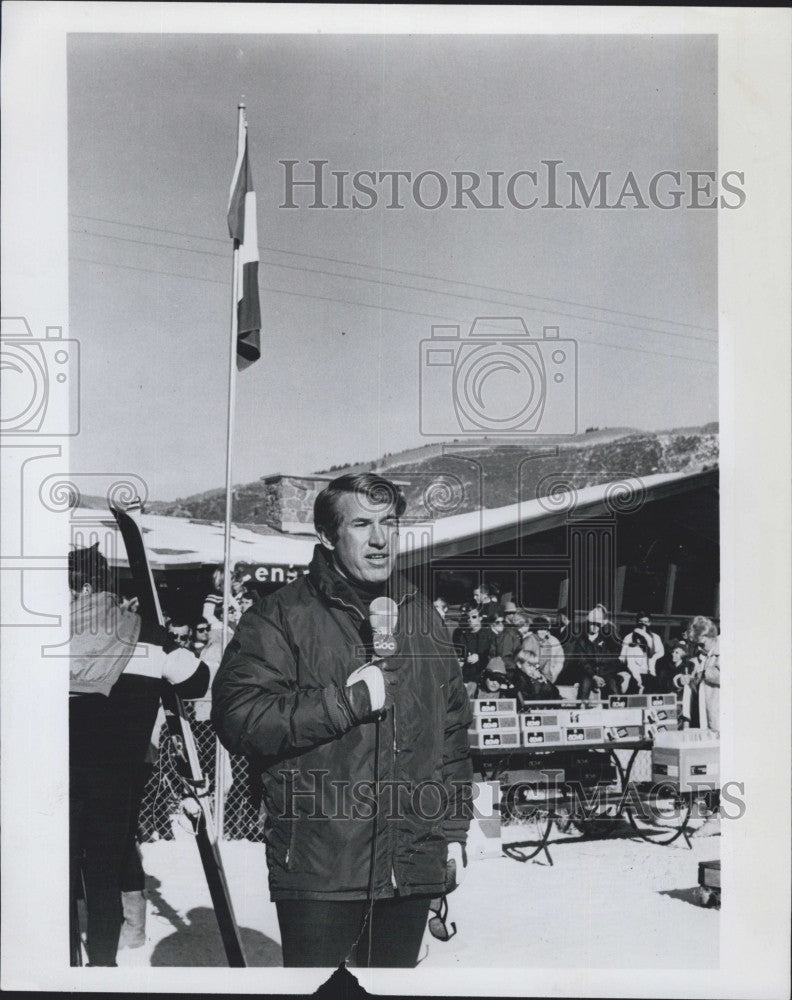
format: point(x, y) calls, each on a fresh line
point(488, 723)
point(623, 716)
point(642, 700)
point(576, 735)
point(499, 738)
point(658, 716)
point(539, 720)
point(493, 706)
point(541, 776)
point(602, 716)
point(709, 874)
point(688, 768)
point(623, 734)
point(541, 737)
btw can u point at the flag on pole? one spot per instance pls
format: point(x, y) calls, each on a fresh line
point(242, 227)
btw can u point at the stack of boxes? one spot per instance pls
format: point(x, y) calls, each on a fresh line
point(494, 723)
point(624, 719)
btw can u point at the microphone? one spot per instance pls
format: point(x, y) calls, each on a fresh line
point(383, 618)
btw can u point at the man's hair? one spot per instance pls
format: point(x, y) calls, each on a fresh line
point(375, 491)
point(178, 622)
point(88, 566)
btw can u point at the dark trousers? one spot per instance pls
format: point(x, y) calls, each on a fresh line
point(611, 686)
point(320, 933)
point(133, 878)
point(100, 802)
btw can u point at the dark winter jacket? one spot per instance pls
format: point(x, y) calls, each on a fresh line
point(280, 697)
point(599, 658)
point(482, 643)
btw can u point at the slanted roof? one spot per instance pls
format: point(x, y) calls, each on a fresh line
point(186, 543)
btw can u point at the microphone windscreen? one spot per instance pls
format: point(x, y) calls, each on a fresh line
point(383, 617)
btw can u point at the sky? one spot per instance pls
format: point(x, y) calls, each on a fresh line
point(348, 295)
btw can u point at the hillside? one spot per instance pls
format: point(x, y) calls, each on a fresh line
point(454, 480)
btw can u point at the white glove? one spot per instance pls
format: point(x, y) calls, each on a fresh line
point(456, 866)
point(371, 674)
point(179, 665)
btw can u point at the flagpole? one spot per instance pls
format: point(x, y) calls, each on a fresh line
point(232, 352)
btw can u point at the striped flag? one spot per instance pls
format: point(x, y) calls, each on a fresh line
point(242, 227)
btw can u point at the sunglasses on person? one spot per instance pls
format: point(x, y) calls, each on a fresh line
point(438, 927)
point(201, 628)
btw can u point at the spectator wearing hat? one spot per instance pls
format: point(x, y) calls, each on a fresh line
point(640, 652)
point(497, 680)
point(593, 661)
point(549, 651)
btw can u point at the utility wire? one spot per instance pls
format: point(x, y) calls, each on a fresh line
point(369, 305)
point(391, 284)
point(412, 274)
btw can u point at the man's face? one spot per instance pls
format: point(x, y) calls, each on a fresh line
point(497, 625)
point(542, 634)
point(474, 620)
point(593, 630)
point(644, 623)
point(181, 633)
point(202, 632)
point(480, 596)
point(442, 607)
point(245, 603)
point(368, 539)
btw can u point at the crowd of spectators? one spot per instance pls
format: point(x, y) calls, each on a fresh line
point(505, 649)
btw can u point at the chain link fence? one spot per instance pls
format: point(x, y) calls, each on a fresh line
point(161, 814)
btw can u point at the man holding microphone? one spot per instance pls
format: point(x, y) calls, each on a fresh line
point(339, 690)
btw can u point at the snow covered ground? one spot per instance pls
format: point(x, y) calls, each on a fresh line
point(603, 903)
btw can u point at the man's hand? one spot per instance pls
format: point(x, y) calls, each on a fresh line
point(472, 658)
point(456, 866)
point(362, 682)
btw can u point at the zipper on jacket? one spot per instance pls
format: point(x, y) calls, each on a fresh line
point(393, 850)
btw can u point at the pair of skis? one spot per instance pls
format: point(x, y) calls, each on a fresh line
point(187, 762)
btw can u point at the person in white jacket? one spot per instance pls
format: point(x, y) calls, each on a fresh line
point(641, 650)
